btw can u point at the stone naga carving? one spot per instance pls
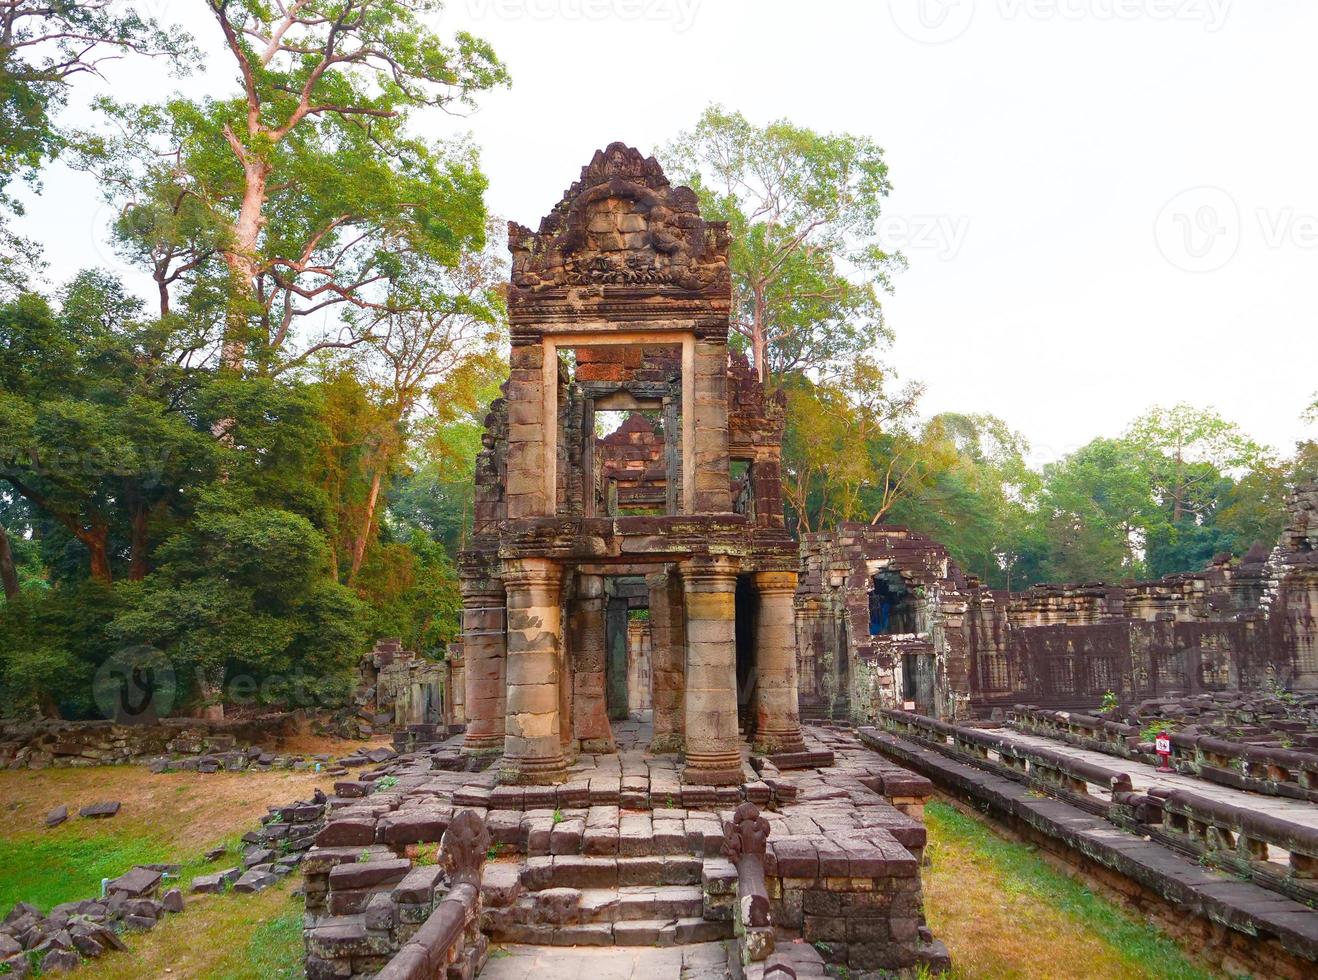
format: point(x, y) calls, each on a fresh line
point(464, 847)
point(745, 840)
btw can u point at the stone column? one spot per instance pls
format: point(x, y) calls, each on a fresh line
point(668, 665)
point(586, 646)
point(457, 685)
point(532, 747)
point(713, 749)
point(484, 644)
point(777, 711)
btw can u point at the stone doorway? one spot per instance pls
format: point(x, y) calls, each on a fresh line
point(626, 644)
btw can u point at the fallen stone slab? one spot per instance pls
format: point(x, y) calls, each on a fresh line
point(100, 811)
point(60, 961)
point(172, 900)
point(135, 884)
point(257, 855)
point(212, 883)
point(57, 816)
point(255, 881)
point(139, 923)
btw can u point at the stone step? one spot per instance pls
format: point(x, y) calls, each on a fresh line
point(572, 906)
point(633, 932)
point(585, 872)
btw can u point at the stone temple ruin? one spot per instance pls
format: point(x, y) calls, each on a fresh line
point(887, 619)
point(619, 308)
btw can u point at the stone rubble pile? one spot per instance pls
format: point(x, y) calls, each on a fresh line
point(1253, 718)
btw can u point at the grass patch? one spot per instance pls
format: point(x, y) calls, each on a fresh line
point(169, 818)
point(1005, 912)
point(48, 871)
point(218, 937)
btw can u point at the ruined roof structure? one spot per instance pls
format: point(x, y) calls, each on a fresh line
point(619, 306)
point(886, 618)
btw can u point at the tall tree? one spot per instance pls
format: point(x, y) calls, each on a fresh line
point(852, 448)
point(318, 200)
point(93, 427)
point(1097, 508)
point(1186, 449)
point(803, 210)
point(422, 359)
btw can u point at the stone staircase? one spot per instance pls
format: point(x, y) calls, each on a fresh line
point(596, 900)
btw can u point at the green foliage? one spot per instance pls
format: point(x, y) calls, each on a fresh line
point(245, 590)
point(43, 47)
point(304, 192)
point(802, 209)
point(1110, 702)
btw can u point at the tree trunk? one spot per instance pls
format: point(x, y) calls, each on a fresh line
point(8, 573)
point(1178, 489)
point(241, 261)
point(759, 345)
point(137, 568)
point(97, 540)
point(210, 682)
point(364, 535)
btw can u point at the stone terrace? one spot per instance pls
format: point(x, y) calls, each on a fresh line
point(625, 854)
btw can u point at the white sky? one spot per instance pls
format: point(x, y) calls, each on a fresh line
point(1105, 203)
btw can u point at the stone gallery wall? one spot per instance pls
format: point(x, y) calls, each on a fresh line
point(962, 648)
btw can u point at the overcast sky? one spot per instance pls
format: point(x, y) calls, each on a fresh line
point(1105, 203)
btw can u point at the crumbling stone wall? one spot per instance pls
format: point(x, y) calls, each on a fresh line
point(1241, 623)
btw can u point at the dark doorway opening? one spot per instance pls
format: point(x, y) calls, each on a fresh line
point(892, 606)
point(623, 594)
point(747, 608)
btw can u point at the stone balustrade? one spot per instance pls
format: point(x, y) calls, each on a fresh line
point(1240, 839)
point(1270, 770)
point(1041, 768)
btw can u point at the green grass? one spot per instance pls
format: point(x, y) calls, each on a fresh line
point(1143, 947)
point(49, 868)
point(274, 951)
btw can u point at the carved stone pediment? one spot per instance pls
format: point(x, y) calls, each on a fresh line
point(621, 225)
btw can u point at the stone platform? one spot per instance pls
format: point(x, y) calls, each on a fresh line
point(624, 854)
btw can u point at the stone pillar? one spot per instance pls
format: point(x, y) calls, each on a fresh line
point(524, 491)
point(713, 491)
point(668, 664)
point(456, 700)
point(484, 645)
point(777, 711)
point(532, 747)
point(586, 647)
point(713, 750)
